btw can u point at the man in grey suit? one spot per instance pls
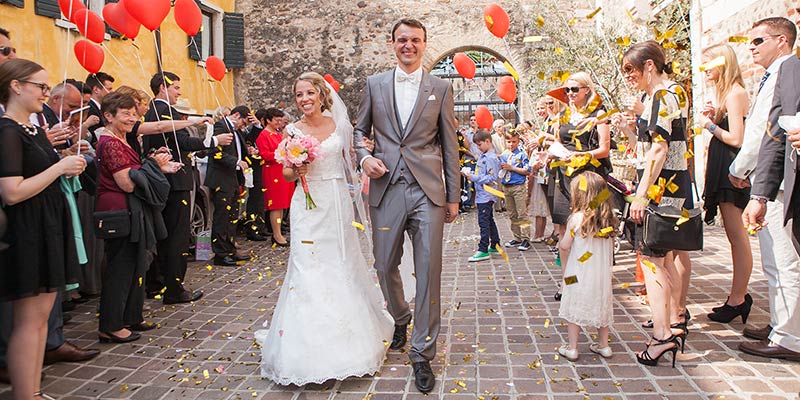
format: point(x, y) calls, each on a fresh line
point(410, 117)
point(775, 180)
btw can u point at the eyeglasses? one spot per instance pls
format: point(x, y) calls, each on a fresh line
point(550, 103)
point(575, 89)
point(45, 87)
point(5, 50)
point(757, 41)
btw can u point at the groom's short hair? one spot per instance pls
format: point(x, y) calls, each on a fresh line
point(412, 23)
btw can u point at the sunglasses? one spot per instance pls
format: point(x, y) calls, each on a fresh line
point(5, 50)
point(45, 87)
point(575, 89)
point(757, 41)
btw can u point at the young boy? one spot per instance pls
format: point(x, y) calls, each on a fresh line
point(514, 163)
point(485, 174)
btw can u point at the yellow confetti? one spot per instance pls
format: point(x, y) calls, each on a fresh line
point(715, 63)
point(307, 241)
point(595, 162)
point(209, 267)
point(559, 50)
point(572, 21)
point(585, 257)
point(624, 41)
point(600, 198)
point(547, 323)
point(185, 202)
point(501, 252)
point(621, 148)
point(357, 225)
point(572, 233)
point(123, 388)
point(427, 338)
point(511, 70)
point(384, 228)
point(630, 15)
point(684, 217)
point(738, 39)
point(625, 285)
point(260, 276)
point(569, 280)
point(688, 154)
point(532, 39)
point(649, 264)
point(583, 185)
point(672, 187)
point(169, 81)
point(540, 76)
point(205, 374)
point(494, 191)
point(539, 20)
point(607, 114)
point(654, 192)
point(140, 281)
point(594, 13)
point(605, 231)
point(489, 21)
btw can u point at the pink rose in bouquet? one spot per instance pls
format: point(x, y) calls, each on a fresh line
point(296, 150)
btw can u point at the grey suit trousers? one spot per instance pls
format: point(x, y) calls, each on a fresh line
point(55, 327)
point(405, 207)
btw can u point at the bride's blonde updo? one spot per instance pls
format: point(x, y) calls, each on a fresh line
point(318, 82)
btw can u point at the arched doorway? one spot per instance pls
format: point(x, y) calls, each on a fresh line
point(468, 94)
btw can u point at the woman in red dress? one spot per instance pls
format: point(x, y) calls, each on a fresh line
point(278, 191)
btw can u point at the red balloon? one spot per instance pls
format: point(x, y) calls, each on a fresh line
point(69, 7)
point(188, 16)
point(90, 25)
point(89, 55)
point(484, 117)
point(336, 86)
point(496, 20)
point(464, 65)
point(507, 89)
point(329, 78)
point(117, 18)
point(149, 13)
point(215, 67)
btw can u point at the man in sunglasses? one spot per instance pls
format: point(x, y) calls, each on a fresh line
point(7, 51)
point(762, 152)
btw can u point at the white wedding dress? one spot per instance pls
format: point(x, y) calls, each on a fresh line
point(330, 321)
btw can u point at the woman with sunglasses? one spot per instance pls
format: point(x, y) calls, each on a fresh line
point(41, 258)
point(662, 136)
point(587, 139)
point(725, 122)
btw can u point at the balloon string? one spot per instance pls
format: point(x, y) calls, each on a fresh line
point(210, 83)
point(138, 82)
point(166, 92)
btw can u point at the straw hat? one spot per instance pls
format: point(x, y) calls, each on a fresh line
point(184, 106)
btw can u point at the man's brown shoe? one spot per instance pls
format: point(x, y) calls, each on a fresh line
point(764, 349)
point(757, 333)
point(70, 353)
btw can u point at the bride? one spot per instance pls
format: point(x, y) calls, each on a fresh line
point(330, 321)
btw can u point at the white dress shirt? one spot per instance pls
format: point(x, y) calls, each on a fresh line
point(406, 89)
point(235, 139)
point(756, 125)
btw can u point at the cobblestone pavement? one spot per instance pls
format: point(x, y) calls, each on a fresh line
point(498, 341)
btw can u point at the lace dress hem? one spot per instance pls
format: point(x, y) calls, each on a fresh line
point(300, 381)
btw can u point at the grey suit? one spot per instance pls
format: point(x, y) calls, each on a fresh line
point(411, 196)
point(776, 158)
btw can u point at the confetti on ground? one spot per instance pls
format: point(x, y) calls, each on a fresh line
point(547, 323)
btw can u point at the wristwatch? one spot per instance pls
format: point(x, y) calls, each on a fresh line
point(760, 199)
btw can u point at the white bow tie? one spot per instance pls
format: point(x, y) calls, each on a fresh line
point(401, 77)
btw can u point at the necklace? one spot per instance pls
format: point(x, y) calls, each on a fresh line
point(30, 130)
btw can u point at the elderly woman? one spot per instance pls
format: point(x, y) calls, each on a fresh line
point(41, 258)
point(138, 191)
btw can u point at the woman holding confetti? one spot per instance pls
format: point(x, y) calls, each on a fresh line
point(644, 67)
point(330, 321)
point(588, 250)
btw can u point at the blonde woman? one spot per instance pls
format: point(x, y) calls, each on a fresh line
point(724, 119)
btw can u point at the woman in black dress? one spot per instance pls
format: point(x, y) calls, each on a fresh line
point(41, 257)
point(725, 122)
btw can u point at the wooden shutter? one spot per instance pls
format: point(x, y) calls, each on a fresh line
point(15, 3)
point(196, 52)
point(46, 8)
point(233, 27)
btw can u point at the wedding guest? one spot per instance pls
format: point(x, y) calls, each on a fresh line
point(7, 50)
point(254, 221)
point(724, 119)
point(485, 173)
point(279, 191)
point(40, 232)
point(99, 85)
point(514, 173)
point(538, 208)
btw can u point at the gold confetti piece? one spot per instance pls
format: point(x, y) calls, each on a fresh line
point(595, 162)
point(307, 241)
point(511, 70)
point(605, 231)
point(569, 280)
point(494, 191)
point(274, 245)
point(501, 252)
point(583, 185)
point(672, 187)
point(254, 394)
point(209, 267)
point(184, 202)
point(625, 285)
point(123, 388)
point(260, 276)
point(559, 50)
point(572, 21)
point(454, 390)
point(715, 63)
point(594, 13)
point(684, 217)
point(649, 264)
point(532, 39)
point(539, 20)
point(635, 199)
point(205, 374)
point(540, 75)
point(738, 39)
point(140, 281)
point(600, 198)
point(688, 154)
point(586, 256)
point(547, 323)
point(630, 15)
point(607, 114)
point(384, 228)
point(427, 338)
point(621, 148)
point(572, 233)
point(624, 41)
point(654, 192)
point(357, 225)
point(228, 208)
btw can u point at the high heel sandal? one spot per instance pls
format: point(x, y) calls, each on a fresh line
point(728, 312)
point(684, 333)
point(646, 359)
point(686, 317)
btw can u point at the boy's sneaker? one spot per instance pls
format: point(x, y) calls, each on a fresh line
point(512, 243)
point(558, 260)
point(524, 246)
point(479, 256)
point(493, 250)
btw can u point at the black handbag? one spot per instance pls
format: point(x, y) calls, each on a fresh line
point(112, 224)
point(662, 231)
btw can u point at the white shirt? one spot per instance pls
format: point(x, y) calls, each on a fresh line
point(405, 92)
point(235, 139)
point(756, 125)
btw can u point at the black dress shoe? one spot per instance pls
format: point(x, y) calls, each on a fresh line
point(225, 261)
point(728, 312)
point(142, 326)
point(107, 337)
point(240, 257)
point(423, 376)
point(70, 353)
point(184, 297)
point(67, 306)
point(399, 338)
point(256, 237)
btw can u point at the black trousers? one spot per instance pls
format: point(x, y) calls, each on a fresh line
point(226, 214)
point(122, 296)
point(254, 221)
point(489, 235)
point(174, 250)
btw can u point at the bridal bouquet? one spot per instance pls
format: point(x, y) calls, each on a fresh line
point(294, 151)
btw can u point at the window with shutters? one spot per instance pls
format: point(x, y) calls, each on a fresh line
point(207, 42)
point(234, 40)
point(15, 3)
point(47, 8)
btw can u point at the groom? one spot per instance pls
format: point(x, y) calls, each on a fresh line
point(410, 115)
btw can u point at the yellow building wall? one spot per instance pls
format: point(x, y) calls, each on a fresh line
point(39, 39)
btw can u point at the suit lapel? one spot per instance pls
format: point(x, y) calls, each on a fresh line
point(387, 91)
point(419, 105)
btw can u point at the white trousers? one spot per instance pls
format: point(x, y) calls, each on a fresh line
point(781, 264)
